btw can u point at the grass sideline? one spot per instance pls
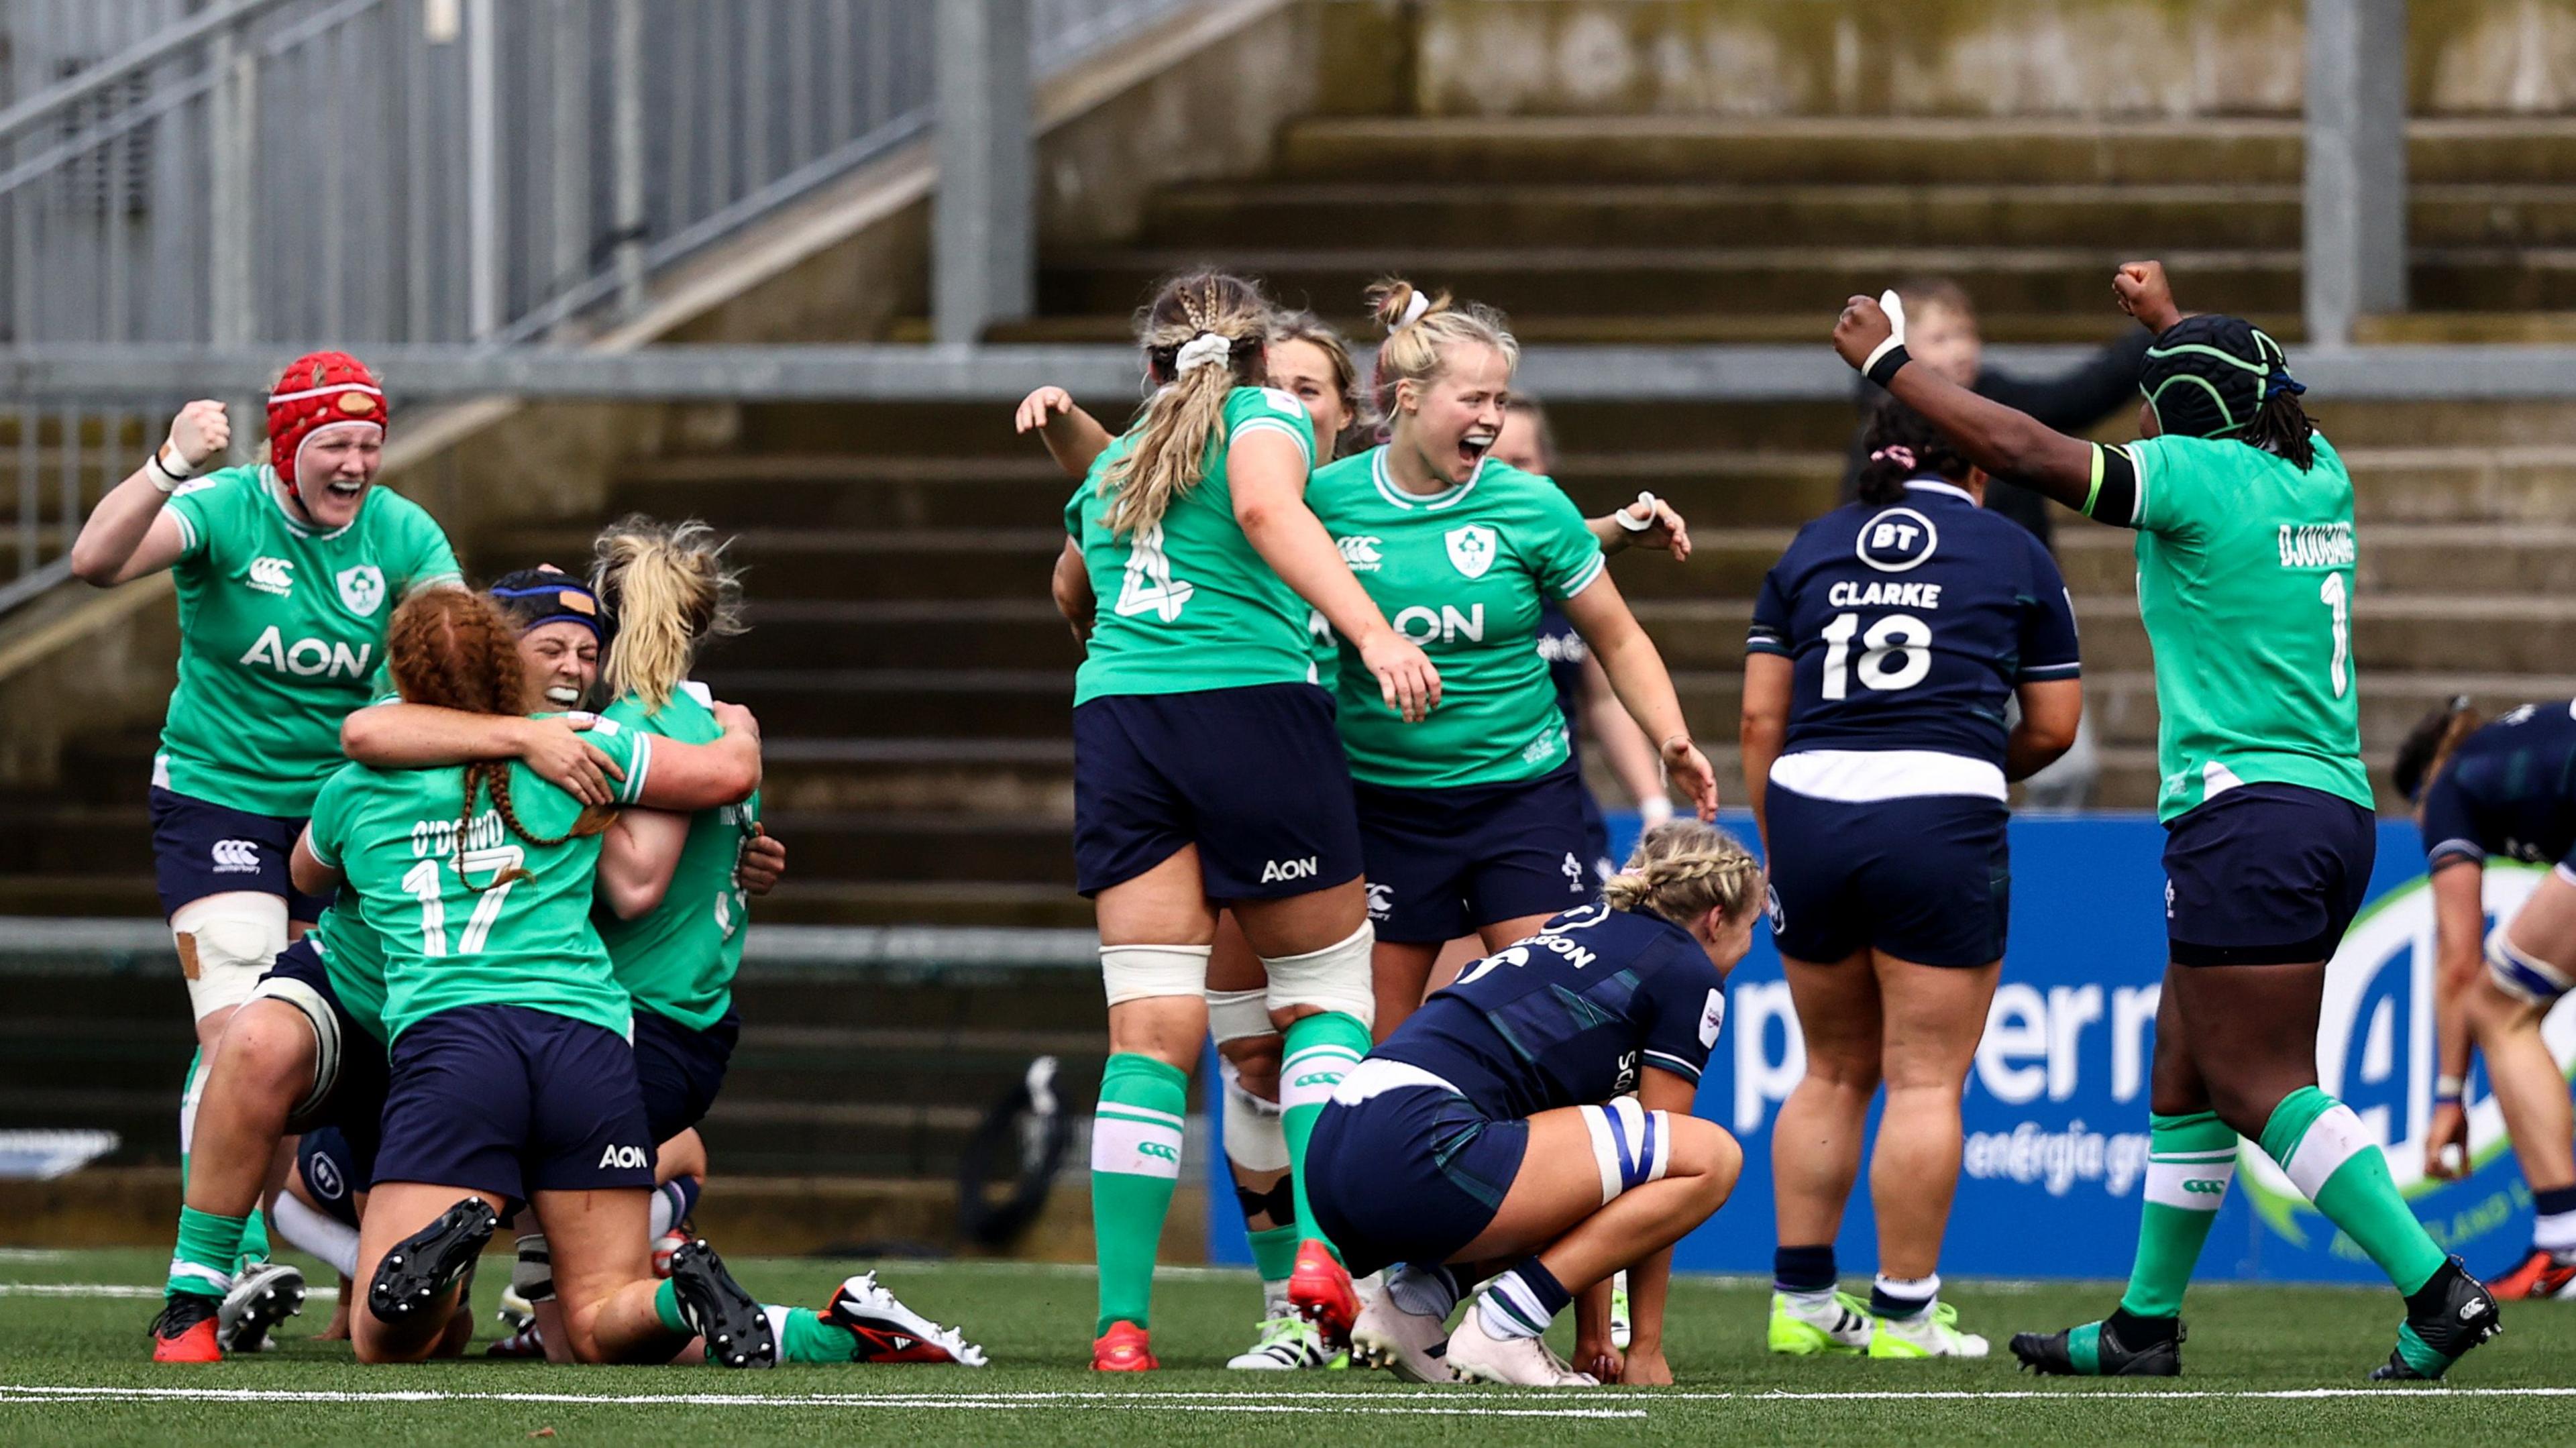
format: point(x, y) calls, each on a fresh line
point(2267, 1364)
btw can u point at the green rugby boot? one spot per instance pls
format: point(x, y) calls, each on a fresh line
point(1803, 1327)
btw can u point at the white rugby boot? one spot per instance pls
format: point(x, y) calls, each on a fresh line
point(1286, 1344)
point(1410, 1345)
point(1476, 1356)
point(1931, 1333)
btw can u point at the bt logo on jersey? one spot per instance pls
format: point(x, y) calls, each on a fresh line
point(1897, 540)
point(305, 658)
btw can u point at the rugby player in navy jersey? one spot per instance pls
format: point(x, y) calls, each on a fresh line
point(1493, 1134)
point(2509, 789)
point(1886, 645)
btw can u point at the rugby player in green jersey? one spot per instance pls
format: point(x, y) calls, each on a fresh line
point(1474, 818)
point(285, 574)
point(2245, 575)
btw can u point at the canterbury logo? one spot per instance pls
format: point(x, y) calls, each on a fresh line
point(1360, 552)
point(235, 857)
point(1159, 1151)
point(624, 1156)
point(1318, 1078)
point(2206, 1186)
point(272, 575)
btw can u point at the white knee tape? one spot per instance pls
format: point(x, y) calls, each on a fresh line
point(1256, 1134)
point(1335, 977)
point(2522, 975)
point(226, 943)
point(1134, 972)
point(1631, 1145)
point(327, 1044)
point(1235, 1015)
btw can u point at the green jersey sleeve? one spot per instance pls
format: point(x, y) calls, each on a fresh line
point(208, 508)
point(1267, 409)
point(629, 748)
point(1562, 553)
point(327, 832)
point(2173, 489)
point(418, 547)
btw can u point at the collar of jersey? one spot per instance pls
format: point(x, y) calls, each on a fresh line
point(275, 487)
point(1427, 502)
point(1941, 485)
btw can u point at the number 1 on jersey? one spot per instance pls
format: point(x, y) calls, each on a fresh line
point(2340, 605)
point(1898, 653)
point(423, 881)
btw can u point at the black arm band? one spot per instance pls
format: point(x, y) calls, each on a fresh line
point(1889, 363)
point(2113, 498)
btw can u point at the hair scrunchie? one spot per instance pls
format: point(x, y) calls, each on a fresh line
point(1207, 349)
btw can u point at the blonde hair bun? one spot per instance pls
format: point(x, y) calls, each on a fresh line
point(1681, 870)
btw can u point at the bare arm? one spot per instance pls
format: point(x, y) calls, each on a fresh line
point(424, 736)
point(1652, 524)
point(1769, 682)
point(1636, 673)
point(1072, 589)
point(2050, 710)
point(1630, 752)
point(128, 534)
point(2459, 941)
point(689, 777)
point(309, 874)
point(1268, 477)
point(636, 859)
point(1073, 437)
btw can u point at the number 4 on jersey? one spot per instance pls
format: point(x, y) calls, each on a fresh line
point(1149, 586)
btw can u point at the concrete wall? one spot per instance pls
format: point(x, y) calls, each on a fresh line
point(1769, 58)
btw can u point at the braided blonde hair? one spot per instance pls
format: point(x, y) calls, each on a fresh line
point(1683, 869)
point(1186, 414)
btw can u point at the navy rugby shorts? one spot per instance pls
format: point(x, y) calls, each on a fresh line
point(680, 1070)
point(2265, 874)
point(201, 849)
point(1442, 862)
point(331, 1172)
point(1402, 1168)
point(1926, 878)
point(1253, 776)
point(510, 1101)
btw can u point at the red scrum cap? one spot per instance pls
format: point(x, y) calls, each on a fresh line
point(319, 390)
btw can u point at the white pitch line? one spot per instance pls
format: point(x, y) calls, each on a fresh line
point(996, 1402)
point(123, 1290)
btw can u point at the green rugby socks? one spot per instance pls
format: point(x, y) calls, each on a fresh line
point(804, 1337)
point(208, 1251)
point(2328, 1155)
point(1135, 1167)
point(2190, 1162)
point(1321, 1050)
point(1274, 1254)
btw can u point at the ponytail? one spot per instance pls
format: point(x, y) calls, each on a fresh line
point(1420, 330)
point(1203, 336)
point(667, 589)
point(1904, 445)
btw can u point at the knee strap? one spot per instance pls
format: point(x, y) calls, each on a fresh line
point(1335, 978)
point(1236, 1015)
point(327, 1044)
point(1136, 972)
point(226, 942)
point(1631, 1145)
point(2522, 975)
point(1256, 1137)
point(532, 1276)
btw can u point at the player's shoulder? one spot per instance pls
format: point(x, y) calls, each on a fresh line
point(388, 514)
point(1500, 487)
point(1245, 405)
point(223, 485)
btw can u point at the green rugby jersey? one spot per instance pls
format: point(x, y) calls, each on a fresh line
point(1187, 604)
point(353, 956)
point(2245, 584)
point(281, 634)
point(679, 959)
point(528, 942)
point(1462, 573)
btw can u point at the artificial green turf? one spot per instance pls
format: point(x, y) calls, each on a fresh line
point(1035, 1321)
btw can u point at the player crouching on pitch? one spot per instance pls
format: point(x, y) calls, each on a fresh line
point(1493, 1135)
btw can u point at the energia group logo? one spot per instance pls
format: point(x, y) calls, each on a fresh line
point(2377, 1052)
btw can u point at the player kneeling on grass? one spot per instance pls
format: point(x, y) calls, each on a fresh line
point(1492, 1135)
point(2508, 788)
point(511, 1077)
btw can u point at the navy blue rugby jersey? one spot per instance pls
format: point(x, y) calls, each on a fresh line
point(1911, 623)
point(1564, 649)
point(1569, 1016)
point(2509, 789)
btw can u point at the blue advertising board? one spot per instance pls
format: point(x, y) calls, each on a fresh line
point(2056, 1105)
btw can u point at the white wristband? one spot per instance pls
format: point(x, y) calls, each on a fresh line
point(166, 477)
point(2448, 1087)
point(1894, 305)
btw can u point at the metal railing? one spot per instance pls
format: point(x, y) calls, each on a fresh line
point(429, 170)
point(253, 174)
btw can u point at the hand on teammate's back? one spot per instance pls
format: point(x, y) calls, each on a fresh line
point(555, 751)
point(1863, 325)
point(201, 432)
point(1405, 678)
point(1689, 771)
point(734, 718)
point(761, 862)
